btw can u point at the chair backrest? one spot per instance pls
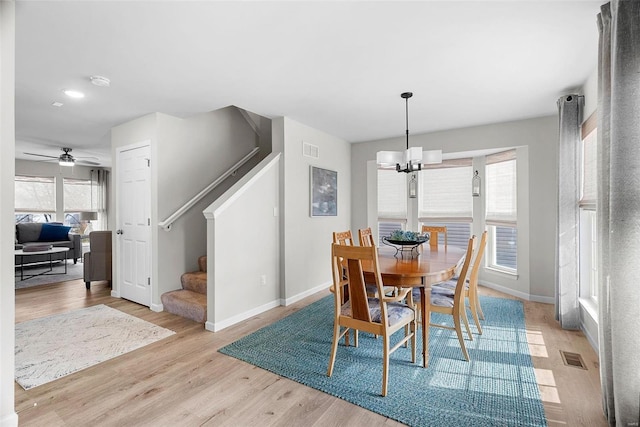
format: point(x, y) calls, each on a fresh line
point(462, 278)
point(347, 270)
point(478, 259)
point(366, 237)
point(343, 238)
point(100, 249)
point(433, 234)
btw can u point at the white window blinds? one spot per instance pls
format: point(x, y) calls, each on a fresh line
point(392, 194)
point(589, 171)
point(35, 194)
point(77, 195)
point(501, 188)
point(445, 191)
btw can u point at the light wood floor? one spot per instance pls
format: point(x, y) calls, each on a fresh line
point(184, 381)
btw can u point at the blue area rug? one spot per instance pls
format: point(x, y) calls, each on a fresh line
point(497, 388)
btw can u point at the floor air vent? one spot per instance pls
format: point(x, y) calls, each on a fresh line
point(573, 359)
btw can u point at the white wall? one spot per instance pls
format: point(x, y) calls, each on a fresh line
point(306, 253)
point(8, 416)
point(243, 247)
point(538, 139)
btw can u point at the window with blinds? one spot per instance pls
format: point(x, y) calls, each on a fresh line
point(445, 191)
point(392, 195)
point(501, 189)
point(77, 195)
point(501, 210)
point(35, 194)
point(588, 249)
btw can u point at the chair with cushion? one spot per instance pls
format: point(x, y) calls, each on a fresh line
point(433, 234)
point(379, 316)
point(452, 304)
point(471, 285)
point(97, 262)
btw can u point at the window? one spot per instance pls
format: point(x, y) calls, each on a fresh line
point(588, 230)
point(77, 198)
point(445, 199)
point(501, 211)
point(35, 199)
point(392, 201)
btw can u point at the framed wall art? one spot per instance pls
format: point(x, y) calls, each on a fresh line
point(323, 192)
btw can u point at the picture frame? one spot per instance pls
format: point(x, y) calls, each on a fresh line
point(323, 192)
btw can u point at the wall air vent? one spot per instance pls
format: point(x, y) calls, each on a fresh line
point(572, 359)
point(310, 150)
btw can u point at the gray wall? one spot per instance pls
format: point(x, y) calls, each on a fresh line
point(306, 251)
point(187, 155)
point(539, 136)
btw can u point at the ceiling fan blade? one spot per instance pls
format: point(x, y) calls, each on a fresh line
point(87, 162)
point(41, 155)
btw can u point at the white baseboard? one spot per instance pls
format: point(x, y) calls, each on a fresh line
point(158, 308)
point(115, 293)
point(218, 326)
point(304, 294)
point(523, 295)
point(10, 420)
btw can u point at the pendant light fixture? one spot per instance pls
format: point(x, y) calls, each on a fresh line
point(411, 159)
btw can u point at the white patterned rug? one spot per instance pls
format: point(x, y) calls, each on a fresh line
point(54, 346)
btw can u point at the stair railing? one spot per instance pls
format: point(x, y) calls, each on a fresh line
point(167, 223)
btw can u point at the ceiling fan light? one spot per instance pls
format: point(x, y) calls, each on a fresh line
point(66, 160)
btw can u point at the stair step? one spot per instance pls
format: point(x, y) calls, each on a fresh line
point(195, 281)
point(186, 303)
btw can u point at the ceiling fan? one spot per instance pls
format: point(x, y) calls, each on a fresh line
point(66, 159)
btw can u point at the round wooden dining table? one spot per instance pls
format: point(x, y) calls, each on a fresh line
point(431, 265)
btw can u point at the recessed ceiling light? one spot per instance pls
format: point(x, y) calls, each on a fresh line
point(73, 93)
point(57, 104)
point(100, 81)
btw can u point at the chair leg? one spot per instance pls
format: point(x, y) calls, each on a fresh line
point(385, 364)
point(466, 322)
point(334, 348)
point(414, 327)
point(456, 322)
point(474, 313)
point(478, 307)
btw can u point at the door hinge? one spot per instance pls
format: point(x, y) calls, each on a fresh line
point(149, 281)
point(148, 162)
point(148, 221)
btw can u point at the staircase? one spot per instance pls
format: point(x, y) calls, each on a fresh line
point(191, 300)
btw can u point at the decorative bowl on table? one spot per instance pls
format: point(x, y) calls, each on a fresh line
point(405, 242)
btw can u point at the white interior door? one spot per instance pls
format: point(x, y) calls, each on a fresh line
point(134, 224)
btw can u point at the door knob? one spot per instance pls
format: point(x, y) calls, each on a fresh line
point(119, 232)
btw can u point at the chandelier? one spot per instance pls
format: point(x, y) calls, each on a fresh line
point(412, 158)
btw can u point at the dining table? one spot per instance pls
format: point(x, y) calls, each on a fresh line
point(431, 264)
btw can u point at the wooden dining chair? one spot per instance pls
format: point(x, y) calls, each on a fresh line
point(434, 231)
point(366, 237)
point(471, 285)
point(380, 316)
point(453, 305)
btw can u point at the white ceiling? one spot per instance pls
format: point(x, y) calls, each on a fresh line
point(336, 66)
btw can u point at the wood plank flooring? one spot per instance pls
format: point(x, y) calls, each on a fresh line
point(184, 381)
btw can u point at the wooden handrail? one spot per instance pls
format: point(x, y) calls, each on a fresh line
point(166, 224)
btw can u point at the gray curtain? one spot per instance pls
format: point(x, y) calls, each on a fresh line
point(101, 179)
point(618, 210)
point(567, 237)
